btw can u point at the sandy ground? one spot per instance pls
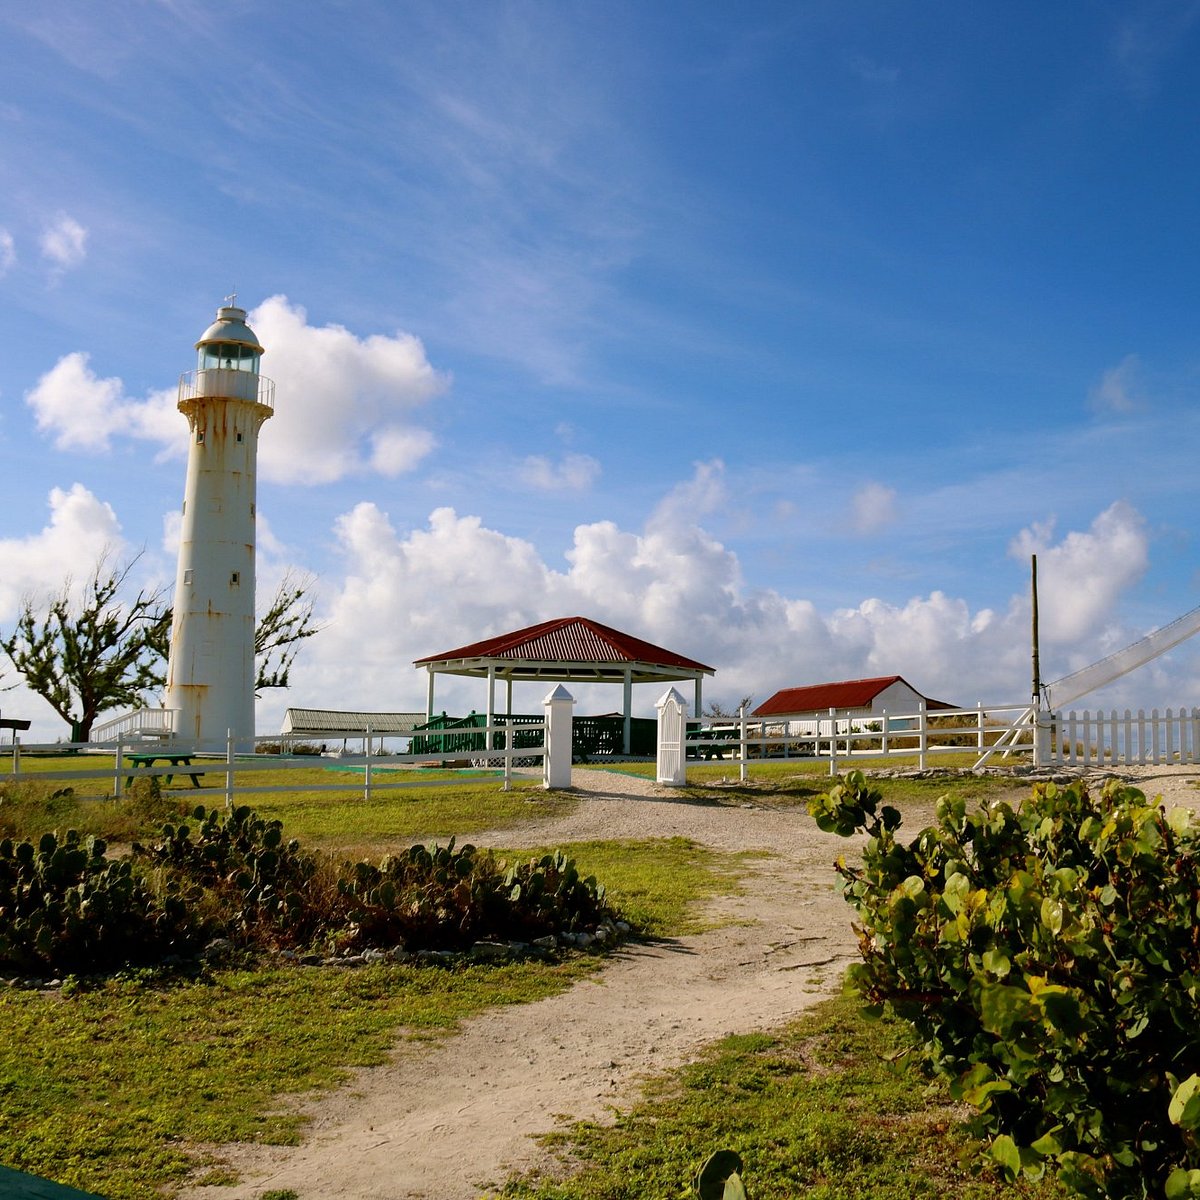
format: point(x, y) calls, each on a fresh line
point(452, 1120)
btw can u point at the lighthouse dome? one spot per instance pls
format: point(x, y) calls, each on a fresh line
point(230, 328)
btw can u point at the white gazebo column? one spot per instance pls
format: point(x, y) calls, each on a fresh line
point(699, 709)
point(628, 708)
point(489, 741)
point(429, 695)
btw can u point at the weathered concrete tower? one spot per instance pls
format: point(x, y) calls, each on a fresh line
point(210, 672)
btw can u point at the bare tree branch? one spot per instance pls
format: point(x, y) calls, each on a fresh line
point(100, 653)
point(287, 622)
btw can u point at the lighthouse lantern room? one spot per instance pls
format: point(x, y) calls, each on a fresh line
point(211, 668)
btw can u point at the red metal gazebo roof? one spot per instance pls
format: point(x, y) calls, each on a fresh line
point(568, 648)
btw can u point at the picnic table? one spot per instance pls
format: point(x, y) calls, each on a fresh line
point(145, 761)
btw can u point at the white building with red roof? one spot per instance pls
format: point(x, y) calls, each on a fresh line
point(802, 709)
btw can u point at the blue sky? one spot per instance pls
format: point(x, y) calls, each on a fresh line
point(778, 334)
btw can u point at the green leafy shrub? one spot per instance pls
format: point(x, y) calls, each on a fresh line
point(445, 897)
point(65, 906)
point(1048, 961)
point(256, 886)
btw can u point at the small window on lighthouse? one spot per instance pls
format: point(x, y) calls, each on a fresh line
point(200, 437)
point(239, 436)
point(187, 577)
point(235, 578)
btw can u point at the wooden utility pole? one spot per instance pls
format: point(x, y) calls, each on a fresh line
point(1037, 667)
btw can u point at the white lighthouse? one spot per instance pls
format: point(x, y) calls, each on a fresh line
point(211, 672)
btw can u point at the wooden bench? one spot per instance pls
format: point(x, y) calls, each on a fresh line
point(145, 761)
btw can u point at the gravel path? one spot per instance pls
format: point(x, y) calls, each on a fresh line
point(449, 1122)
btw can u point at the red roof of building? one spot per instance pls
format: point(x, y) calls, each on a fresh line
point(820, 697)
point(569, 640)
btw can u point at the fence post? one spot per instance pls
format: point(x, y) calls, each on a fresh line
point(118, 774)
point(883, 745)
point(229, 770)
point(979, 725)
point(16, 755)
point(832, 741)
point(508, 752)
point(923, 739)
point(559, 709)
point(743, 749)
point(367, 768)
point(671, 767)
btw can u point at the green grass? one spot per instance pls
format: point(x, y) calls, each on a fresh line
point(333, 820)
point(338, 820)
point(656, 883)
point(105, 1089)
point(816, 1112)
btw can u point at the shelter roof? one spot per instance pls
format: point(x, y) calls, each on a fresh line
point(567, 648)
point(820, 697)
point(324, 722)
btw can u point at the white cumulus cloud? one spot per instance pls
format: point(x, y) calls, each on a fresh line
point(64, 242)
point(81, 529)
point(1080, 577)
point(82, 411)
point(873, 508)
point(574, 473)
point(344, 404)
point(454, 580)
point(1120, 388)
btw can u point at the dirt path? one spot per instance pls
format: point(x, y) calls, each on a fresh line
point(450, 1120)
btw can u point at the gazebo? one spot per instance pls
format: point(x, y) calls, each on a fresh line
point(565, 650)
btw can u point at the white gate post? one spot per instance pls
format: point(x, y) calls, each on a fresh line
point(671, 768)
point(1042, 722)
point(229, 746)
point(559, 708)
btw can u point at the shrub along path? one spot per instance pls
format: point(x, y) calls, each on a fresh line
point(450, 1119)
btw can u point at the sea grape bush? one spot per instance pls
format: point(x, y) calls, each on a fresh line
point(1047, 958)
point(66, 906)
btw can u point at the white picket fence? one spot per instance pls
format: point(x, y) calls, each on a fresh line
point(994, 733)
point(1120, 738)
